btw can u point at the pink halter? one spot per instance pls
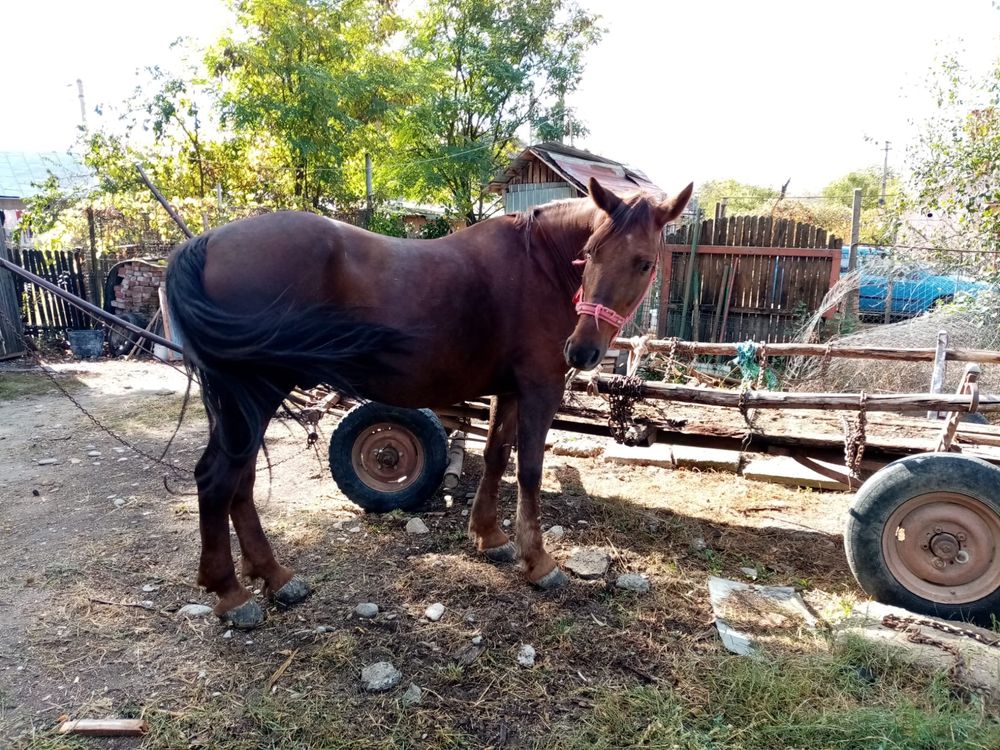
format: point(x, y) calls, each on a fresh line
point(602, 312)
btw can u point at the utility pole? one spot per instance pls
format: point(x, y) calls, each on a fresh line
point(369, 191)
point(885, 173)
point(83, 105)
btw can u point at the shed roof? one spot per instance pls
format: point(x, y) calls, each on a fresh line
point(21, 170)
point(577, 167)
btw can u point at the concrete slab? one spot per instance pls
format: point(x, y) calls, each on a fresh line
point(786, 470)
point(980, 655)
point(716, 459)
point(658, 454)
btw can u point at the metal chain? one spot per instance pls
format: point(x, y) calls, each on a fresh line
point(854, 437)
point(623, 392)
point(893, 621)
point(911, 628)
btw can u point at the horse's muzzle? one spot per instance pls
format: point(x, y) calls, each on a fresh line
point(582, 356)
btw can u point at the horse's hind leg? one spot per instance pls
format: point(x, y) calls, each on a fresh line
point(217, 476)
point(280, 582)
point(483, 526)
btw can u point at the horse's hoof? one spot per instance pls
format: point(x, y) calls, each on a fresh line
point(554, 579)
point(505, 553)
point(246, 616)
point(292, 592)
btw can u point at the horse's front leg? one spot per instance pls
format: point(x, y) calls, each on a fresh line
point(280, 582)
point(536, 410)
point(484, 529)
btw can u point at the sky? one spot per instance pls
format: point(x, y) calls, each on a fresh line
point(761, 92)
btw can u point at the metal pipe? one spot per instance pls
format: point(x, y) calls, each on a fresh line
point(163, 202)
point(87, 306)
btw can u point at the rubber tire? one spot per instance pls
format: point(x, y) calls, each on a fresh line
point(883, 493)
point(120, 340)
point(425, 427)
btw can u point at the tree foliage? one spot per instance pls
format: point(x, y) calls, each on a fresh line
point(487, 70)
point(955, 163)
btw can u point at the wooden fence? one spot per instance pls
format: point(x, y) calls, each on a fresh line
point(11, 341)
point(45, 314)
point(748, 277)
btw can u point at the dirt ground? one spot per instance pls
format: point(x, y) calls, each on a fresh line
point(97, 557)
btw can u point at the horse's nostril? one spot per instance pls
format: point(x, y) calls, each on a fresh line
point(593, 358)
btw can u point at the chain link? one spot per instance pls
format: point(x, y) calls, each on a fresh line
point(911, 628)
point(623, 392)
point(855, 437)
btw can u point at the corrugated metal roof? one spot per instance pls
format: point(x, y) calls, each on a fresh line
point(577, 167)
point(20, 170)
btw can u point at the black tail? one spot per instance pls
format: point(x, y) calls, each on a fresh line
point(250, 361)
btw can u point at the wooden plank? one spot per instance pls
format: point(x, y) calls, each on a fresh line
point(894, 402)
point(730, 250)
point(11, 332)
point(105, 727)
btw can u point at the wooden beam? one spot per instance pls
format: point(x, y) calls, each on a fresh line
point(691, 348)
point(782, 400)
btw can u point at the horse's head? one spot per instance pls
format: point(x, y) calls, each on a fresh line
point(621, 256)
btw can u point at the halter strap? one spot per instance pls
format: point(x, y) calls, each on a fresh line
point(602, 312)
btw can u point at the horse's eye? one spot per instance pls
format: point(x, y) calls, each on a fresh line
point(645, 266)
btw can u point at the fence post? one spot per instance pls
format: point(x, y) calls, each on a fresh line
point(940, 364)
point(11, 332)
point(853, 299)
point(96, 290)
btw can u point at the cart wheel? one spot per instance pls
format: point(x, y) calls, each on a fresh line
point(384, 458)
point(924, 534)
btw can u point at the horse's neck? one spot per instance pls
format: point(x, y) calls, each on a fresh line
point(558, 234)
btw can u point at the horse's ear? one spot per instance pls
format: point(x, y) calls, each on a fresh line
point(605, 199)
point(671, 208)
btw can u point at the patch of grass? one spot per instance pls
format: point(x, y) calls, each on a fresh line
point(14, 385)
point(857, 696)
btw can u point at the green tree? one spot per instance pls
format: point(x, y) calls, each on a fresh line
point(318, 77)
point(955, 163)
point(740, 198)
point(487, 70)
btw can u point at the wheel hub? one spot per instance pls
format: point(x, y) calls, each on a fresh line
point(387, 457)
point(944, 547)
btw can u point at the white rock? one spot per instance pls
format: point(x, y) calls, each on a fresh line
point(434, 612)
point(379, 677)
point(526, 656)
point(149, 588)
point(93, 454)
point(195, 610)
point(47, 461)
point(119, 502)
point(477, 640)
point(506, 523)
point(74, 461)
point(228, 634)
point(416, 526)
point(556, 533)
point(366, 610)
point(589, 563)
point(633, 582)
point(750, 573)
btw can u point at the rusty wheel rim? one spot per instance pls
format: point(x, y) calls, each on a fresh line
point(387, 457)
point(943, 546)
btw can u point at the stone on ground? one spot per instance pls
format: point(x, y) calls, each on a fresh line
point(633, 582)
point(589, 563)
point(526, 656)
point(412, 696)
point(379, 677)
point(366, 610)
point(555, 533)
point(195, 610)
point(580, 446)
point(434, 612)
point(416, 526)
point(716, 459)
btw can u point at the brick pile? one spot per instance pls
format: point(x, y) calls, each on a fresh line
point(137, 291)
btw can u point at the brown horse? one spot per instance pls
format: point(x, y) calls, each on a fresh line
point(294, 299)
